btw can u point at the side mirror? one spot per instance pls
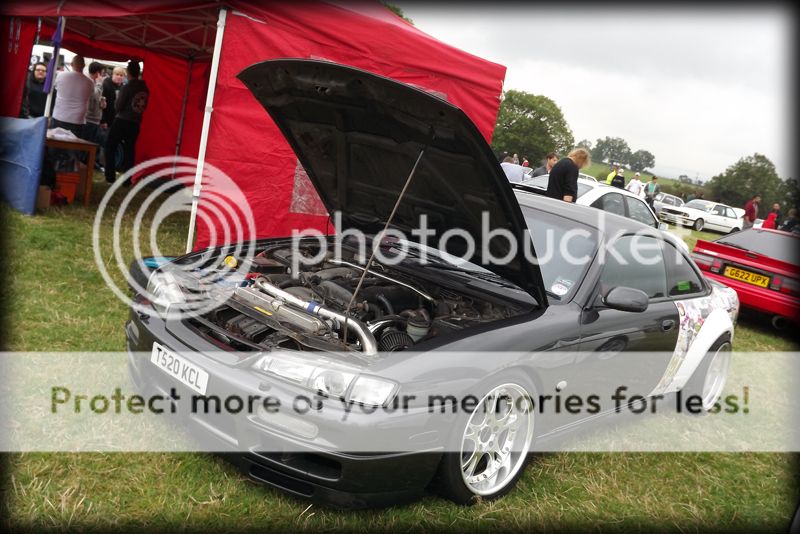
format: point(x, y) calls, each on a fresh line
point(626, 299)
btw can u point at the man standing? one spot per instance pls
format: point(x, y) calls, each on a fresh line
point(776, 209)
point(635, 185)
point(563, 183)
point(94, 111)
point(33, 97)
point(550, 160)
point(130, 105)
point(73, 90)
point(751, 211)
point(619, 179)
point(111, 86)
point(612, 174)
point(650, 191)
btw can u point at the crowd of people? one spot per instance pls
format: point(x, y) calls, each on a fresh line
point(99, 106)
point(563, 185)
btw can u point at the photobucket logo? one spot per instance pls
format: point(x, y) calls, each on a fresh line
point(548, 244)
point(128, 218)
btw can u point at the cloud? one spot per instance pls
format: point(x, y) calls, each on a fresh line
point(699, 89)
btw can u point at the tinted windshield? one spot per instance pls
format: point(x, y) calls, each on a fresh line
point(699, 204)
point(776, 245)
point(564, 250)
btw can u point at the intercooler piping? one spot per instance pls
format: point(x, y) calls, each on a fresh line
point(369, 345)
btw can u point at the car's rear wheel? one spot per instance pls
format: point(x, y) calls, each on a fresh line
point(489, 447)
point(698, 224)
point(708, 380)
point(734, 230)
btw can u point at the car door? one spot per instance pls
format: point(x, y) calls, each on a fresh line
point(732, 219)
point(623, 348)
point(638, 211)
point(612, 203)
point(717, 219)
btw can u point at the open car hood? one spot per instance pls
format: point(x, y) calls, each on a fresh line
point(358, 136)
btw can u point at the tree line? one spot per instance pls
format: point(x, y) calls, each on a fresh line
point(533, 125)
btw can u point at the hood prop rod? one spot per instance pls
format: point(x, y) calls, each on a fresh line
point(385, 227)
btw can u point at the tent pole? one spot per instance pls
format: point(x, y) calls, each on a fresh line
point(201, 153)
point(179, 137)
point(48, 109)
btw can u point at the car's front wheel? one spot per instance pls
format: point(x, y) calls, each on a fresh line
point(489, 446)
point(698, 224)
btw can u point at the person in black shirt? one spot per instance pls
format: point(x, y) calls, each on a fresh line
point(563, 183)
point(130, 105)
point(33, 95)
point(619, 179)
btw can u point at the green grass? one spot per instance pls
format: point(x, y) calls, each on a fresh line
point(58, 301)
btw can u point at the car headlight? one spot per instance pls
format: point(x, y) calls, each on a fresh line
point(163, 291)
point(329, 379)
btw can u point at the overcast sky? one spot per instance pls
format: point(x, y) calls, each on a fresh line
point(700, 89)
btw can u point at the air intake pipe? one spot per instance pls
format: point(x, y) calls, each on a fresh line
point(369, 345)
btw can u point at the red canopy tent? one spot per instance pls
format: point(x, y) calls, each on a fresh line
point(193, 51)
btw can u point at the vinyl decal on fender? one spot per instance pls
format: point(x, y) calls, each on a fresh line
point(692, 313)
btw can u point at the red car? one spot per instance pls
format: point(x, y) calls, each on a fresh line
point(761, 265)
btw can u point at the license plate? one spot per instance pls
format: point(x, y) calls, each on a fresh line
point(179, 368)
point(747, 276)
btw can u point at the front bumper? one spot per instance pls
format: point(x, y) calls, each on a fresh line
point(308, 468)
point(675, 219)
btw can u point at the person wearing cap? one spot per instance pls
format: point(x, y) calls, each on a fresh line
point(619, 179)
point(635, 185)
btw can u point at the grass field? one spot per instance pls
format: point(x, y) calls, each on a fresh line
point(58, 301)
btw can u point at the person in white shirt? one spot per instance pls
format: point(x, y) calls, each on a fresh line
point(73, 90)
point(636, 186)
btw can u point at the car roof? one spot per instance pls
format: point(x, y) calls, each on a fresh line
point(583, 214)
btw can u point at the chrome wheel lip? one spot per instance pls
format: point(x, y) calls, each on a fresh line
point(499, 444)
point(716, 376)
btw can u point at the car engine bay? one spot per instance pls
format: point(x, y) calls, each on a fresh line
point(313, 309)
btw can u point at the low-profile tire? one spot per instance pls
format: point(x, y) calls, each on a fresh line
point(698, 224)
point(493, 448)
point(708, 380)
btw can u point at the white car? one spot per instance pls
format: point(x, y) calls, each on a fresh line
point(665, 199)
point(602, 196)
point(704, 214)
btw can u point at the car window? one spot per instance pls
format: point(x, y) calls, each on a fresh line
point(637, 262)
point(583, 189)
point(564, 249)
point(678, 202)
point(719, 210)
point(730, 213)
point(610, 202)
point(667, 200)
point(778, 245)
point(638, 211)
point(682, 279)
point(703, 205)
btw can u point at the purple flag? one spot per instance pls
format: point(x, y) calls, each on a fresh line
point(51, 67)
